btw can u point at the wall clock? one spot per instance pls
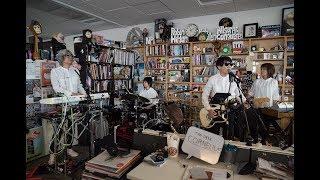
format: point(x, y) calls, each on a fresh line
point(192, 30)
point(226, 22)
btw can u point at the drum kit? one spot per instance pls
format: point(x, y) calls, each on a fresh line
point(153, 113)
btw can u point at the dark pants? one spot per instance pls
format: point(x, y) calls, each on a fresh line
point(237, 125)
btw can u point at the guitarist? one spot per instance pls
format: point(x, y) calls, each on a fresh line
point(220, 83)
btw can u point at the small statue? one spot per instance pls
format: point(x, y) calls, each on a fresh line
point(90, 43)
point(145, 34)
point(57, 43)
point(36, 30)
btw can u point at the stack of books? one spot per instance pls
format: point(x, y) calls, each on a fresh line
point(104, 165)
point(270, 170)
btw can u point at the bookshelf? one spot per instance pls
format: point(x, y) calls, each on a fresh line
point(198, 58)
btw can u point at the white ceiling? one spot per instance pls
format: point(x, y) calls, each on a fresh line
point(67, 16)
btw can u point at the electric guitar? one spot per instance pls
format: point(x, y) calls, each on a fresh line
point(208, 122)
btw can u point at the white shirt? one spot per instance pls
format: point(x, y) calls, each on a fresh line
point(66, 81)
point(150, 93)
point(219, 84)
point(265, 88)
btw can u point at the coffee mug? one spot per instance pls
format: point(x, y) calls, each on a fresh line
point(173, 145)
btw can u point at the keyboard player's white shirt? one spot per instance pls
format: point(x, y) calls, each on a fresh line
point(66, 81)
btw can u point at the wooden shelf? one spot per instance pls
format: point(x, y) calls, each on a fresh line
point(102, 79)
point(202, 65)
point(158, 44)
point(116, 64)
point(240, 54)
point(196, 91)
point(178, 69)
point(122, 79)
point(289, 67)
point(102, 63)
point(202, 54)
point(160, 82)
point(180, 63)
point(290, 51)
point(199, 83)
point(178, 82)
point(135, 47)
point(179, 56)
point(267, 38)
point(268, 59)
point(179, 43)
point(156, 69)
point(268, 51)
point(203, 75)
point(155, 56)
point(223, 41)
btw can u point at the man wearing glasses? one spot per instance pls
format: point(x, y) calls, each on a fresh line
point(65, 79)
point(219, 83)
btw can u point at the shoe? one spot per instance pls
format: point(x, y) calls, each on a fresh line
point(72, 153)
point(52, 159)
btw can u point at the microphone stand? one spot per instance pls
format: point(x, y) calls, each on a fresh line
point(249, 167)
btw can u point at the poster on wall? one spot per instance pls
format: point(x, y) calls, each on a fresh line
point(288, 21)
point(46, 68)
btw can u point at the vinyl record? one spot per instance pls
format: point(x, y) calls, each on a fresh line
point(226, 22)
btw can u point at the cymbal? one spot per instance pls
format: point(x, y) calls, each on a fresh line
point(132, 97)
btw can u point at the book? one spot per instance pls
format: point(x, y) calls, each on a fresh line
point(104, 161)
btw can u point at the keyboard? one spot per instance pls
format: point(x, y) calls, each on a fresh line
point(71, 99)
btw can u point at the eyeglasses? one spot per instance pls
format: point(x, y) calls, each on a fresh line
point(69, 56)
point(228, 63)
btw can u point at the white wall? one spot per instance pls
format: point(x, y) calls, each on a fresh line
point(267, 16)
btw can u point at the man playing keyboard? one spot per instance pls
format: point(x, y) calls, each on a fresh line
point(65, 79)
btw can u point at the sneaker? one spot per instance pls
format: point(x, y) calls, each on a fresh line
point(72, 153)
point(52, 159)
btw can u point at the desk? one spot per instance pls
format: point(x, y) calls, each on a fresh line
point(173, 170)
point(285, 117)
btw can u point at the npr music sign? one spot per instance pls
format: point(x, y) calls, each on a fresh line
point(203, 145)
point(227, 33)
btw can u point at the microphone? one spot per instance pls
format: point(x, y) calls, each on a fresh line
point(231, 75)
point(86, 88)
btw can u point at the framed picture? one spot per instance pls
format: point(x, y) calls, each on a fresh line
point(250, 30)
point(288, 21)
point(271, 31)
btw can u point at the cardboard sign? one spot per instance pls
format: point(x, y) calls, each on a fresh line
point(203, 145)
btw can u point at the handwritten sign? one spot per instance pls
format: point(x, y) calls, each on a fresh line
point(203, 145)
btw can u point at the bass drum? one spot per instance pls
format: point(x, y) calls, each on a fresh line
point(175, 116)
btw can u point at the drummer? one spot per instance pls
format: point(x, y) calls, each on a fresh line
point(149, 93)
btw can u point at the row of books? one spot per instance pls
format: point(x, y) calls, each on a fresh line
point(180, 60)
point(98, 71)
point(203, 59)
point(179, 50)
point(179, 76)
point(123, 57)
point(203, 71)
point(157, 50)
point(158, 75)
point(156, 63)
point(104, 165)
point(99, 86)
point(200, 79)
point(118, 84)
point(106, 56)
point(179, 66)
